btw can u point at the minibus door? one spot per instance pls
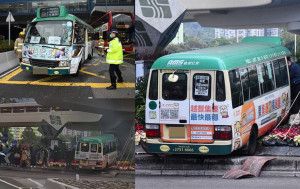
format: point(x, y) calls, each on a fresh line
point(203, 113)
point(174, 97)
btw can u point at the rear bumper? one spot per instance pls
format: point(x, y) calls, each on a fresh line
point(217, 148)
point(89, 167)
point(50, 71)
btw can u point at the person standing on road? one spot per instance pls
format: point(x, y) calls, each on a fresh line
point(101, 46)
point(114, 57)
point(18, 46)
point(295, 84)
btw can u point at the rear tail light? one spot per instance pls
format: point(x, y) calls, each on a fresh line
point(152, 130)
point(99, 163)
point(75, 162)
point(223, 132)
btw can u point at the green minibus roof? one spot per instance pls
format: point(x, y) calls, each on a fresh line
point(250, 51)
point(100, 139)
point(63, 16)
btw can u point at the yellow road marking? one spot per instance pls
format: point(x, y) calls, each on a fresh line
point(129, 58)
point(11, 75)
point(93, 74)
point(60, 84)
point(5, 80)
point(48, 78)
point(126, 55)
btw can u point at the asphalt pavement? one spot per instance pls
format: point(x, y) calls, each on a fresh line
point(25, 178)
point(90, 83)
point(205, 182)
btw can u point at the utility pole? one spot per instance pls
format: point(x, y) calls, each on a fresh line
point(295, 44)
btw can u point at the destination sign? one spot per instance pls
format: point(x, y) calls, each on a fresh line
point(49, 12)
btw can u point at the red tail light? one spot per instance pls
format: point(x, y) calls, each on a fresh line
point(99, 163)
point(152, 130)
point(152, 133)
point(223, 132)
point(74, 162)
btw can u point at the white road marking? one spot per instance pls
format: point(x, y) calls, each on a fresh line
point(10, 184)
point(5, 74)
point(35, 182)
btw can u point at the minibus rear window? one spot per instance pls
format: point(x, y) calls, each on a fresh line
point(93, 148)
point(84, 147)
point(174, 90)
point(201, 87)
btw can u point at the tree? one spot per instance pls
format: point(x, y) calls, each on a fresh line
point(28, 136)
point(221, 41)
point(140, 98)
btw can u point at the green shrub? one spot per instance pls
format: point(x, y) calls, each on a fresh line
point(4, 47)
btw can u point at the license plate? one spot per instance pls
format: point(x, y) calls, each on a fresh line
point(38, 70)
point(83, 162)
point(176, 132)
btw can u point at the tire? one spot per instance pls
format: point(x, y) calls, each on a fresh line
point(252, 143)
point(90, 56)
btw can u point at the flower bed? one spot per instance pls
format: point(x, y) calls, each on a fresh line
point(283, 136)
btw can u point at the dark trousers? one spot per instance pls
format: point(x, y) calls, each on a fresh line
point(295, 90)
point(112, 69)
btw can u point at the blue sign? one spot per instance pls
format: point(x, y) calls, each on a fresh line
point(14, 143)
point(4, 138)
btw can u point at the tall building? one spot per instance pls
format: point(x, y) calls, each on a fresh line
point(179, 36)
point(17, 132)
point(73, 133)
point(228, 33)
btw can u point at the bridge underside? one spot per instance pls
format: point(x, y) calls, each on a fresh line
point(263, 14)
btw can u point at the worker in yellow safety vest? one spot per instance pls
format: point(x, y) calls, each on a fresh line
point(114, 57)
point(101, 46)
point(18, 45)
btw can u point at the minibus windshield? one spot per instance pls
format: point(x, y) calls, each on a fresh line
point(49, 32)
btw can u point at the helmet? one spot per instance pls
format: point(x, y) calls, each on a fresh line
point(21, 33)
point(100, 36)
point(114, 31)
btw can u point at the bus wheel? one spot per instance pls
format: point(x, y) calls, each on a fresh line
point(79, 68)
point(90, 56)
point(252, 143)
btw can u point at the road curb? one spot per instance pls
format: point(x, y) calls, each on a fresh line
point(211, 166)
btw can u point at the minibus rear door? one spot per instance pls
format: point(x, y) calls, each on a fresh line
point(202, 110)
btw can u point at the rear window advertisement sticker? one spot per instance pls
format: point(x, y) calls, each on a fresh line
point(201, 85)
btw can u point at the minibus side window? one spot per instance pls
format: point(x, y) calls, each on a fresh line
point(245, 82)
point(174, 90)
point(268, 76)
point(254, 85)
point(93, 148)
point(153, 89)
point(201, 87)
point(99, 148)
point(283, 71)
point(220, 87)
point(279, 81)
point(236, 88)
point(105, 148)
